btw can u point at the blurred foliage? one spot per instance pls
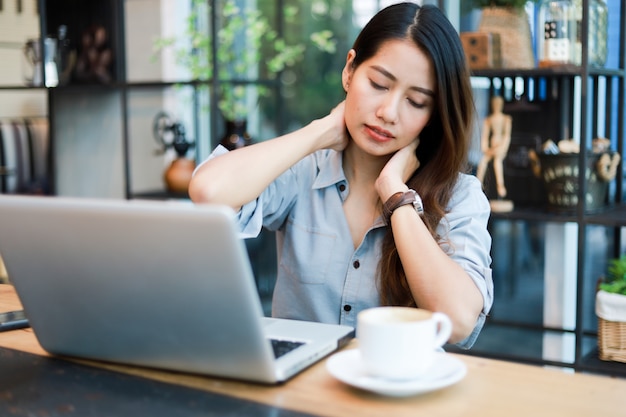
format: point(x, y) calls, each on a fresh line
point(615, 281)
point(312, 87)
point(250, 44)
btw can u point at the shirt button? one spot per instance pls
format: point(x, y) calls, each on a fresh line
point(347, 307)
point(356, 264)
point(342, 187)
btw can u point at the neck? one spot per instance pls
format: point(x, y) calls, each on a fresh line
point(360, 167)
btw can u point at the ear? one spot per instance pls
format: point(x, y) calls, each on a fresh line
point(346, 74)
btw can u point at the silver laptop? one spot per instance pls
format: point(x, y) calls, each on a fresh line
point(156, 284)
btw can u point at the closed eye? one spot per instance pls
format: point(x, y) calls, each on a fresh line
point(416, 105)
point(377, 86)
point(413, 103)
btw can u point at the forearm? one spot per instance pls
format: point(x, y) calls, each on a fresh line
point(241, 175)
point(437, 282)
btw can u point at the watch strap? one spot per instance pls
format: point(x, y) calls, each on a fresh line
point(400, 199)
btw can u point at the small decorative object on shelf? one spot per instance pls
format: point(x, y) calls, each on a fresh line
point(38, 64)
point(508, 19)
point(494, 143)
point(611, 312)
point(95, 57)
point(559, 33)
point(236, 135)
point(598, 31)
point(171, 134)
point(558, 166)
point(65, 57)
point(482, 49)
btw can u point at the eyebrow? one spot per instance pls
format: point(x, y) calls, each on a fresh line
point(393, 78)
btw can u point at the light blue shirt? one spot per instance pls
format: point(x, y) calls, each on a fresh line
point(321, 276)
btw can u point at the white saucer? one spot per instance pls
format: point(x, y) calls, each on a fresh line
point(346, 366)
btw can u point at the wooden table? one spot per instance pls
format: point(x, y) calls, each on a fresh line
point(490, 388)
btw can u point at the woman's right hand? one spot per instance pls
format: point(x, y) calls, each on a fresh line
point(334, 125)
point(238, 177)
point(397, 171)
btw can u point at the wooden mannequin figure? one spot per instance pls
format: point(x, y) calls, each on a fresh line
point(494, 143)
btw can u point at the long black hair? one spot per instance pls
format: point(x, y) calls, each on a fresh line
point(444, 141)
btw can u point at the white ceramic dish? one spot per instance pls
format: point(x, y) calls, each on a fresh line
point(346, 366)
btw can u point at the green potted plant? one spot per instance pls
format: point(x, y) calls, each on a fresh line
point(615, 281)
point(508, 19)
point(248, 46)
point(611, 312)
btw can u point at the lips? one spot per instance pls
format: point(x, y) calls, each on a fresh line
point(378, 133)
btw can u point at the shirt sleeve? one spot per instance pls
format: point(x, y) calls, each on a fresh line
point(269, 209)
point(468, 242)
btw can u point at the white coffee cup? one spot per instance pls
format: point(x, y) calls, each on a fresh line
point(400, 342)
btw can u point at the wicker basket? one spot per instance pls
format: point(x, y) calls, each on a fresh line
point(611, 332)
point(515, 37)
point(612, 340)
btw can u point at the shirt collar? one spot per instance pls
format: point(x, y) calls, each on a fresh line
point(330, 169)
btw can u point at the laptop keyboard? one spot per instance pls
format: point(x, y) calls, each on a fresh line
point(282, 347)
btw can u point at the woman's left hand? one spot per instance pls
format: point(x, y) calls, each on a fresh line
point(397, 171)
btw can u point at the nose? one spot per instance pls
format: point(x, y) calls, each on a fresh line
point(388, 108)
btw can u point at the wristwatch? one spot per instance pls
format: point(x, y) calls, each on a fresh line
point(400, 199)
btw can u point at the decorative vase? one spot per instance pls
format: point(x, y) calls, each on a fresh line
point(236, 135)
point(171, 134)
point(515, 39)
point(178, 175)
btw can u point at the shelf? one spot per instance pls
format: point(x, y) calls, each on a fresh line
point(132, 85)
point(560, 252)
point(489, 73)
point(20, 87)
point(561, 71)
point(533, 214)
point(592, 363)
point(614, 216)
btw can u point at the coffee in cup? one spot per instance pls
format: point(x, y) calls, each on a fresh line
point(400, 343)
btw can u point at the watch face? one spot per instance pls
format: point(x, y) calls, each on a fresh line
point(417, 203)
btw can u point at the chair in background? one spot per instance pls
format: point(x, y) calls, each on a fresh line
point(24, 156)
point(4, 276)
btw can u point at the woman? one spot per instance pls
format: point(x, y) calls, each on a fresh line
point(337, 190)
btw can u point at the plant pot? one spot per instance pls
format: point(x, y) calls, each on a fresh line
point(611, 312)
point(515, 39)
